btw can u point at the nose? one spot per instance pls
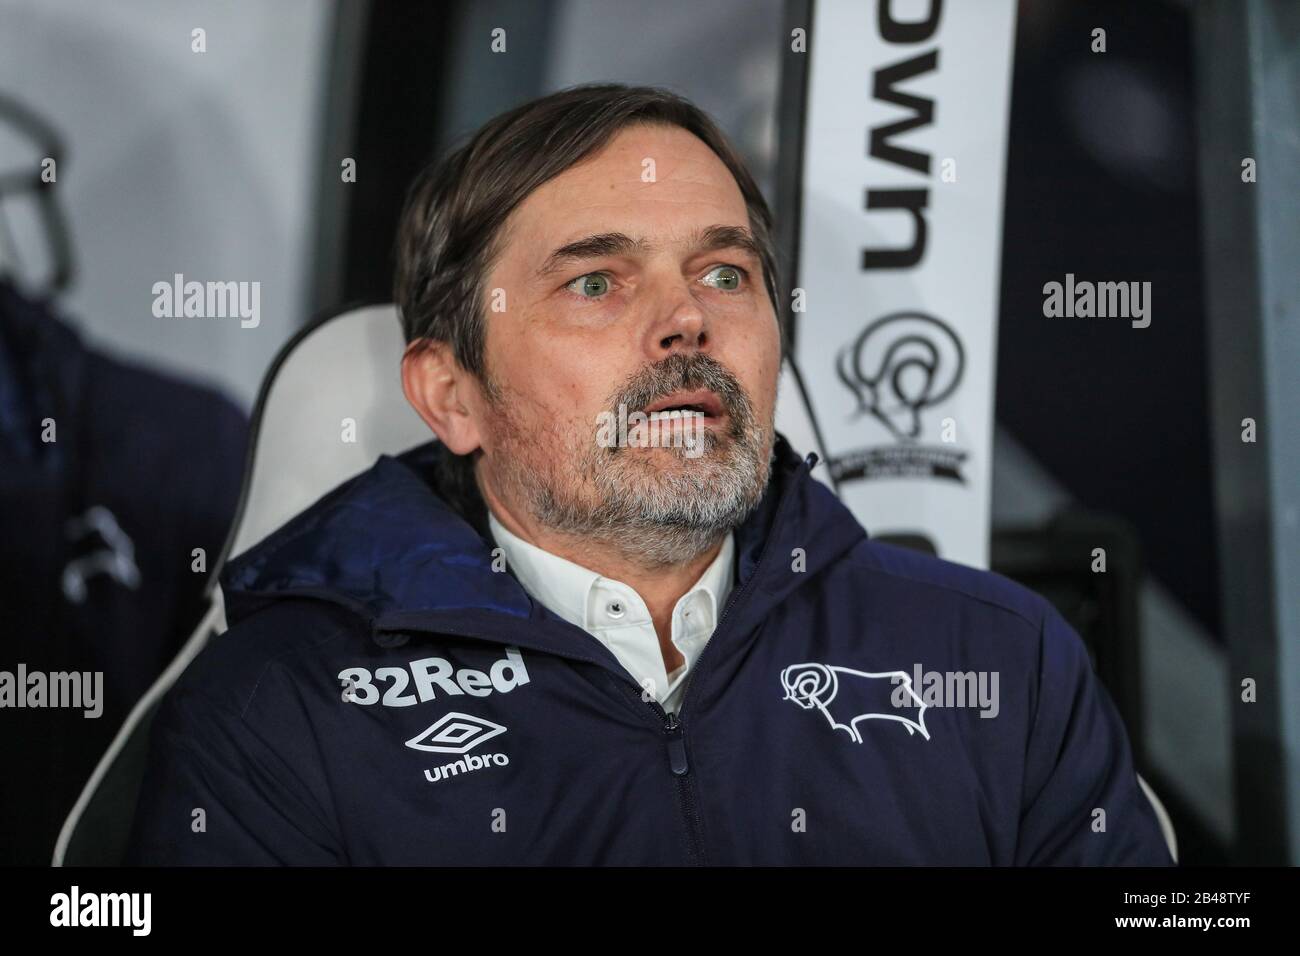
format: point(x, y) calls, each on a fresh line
point(680, 324)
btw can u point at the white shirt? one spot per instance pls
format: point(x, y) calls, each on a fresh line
point(614, 614)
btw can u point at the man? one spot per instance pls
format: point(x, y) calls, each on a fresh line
point(547, 640)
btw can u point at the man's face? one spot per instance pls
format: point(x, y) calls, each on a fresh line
point(668, 310)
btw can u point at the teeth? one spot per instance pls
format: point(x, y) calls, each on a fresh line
point(674, 415)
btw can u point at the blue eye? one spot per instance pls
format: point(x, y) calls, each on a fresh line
point(728, 278)
point(591, 286)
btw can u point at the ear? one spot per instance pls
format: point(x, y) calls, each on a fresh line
point(443, 394)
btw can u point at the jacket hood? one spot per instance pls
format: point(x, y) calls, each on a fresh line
point(388, 547)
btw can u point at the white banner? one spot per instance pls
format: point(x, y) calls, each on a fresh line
point(899, 258)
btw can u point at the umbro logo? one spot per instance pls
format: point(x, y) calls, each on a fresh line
point(455, 733)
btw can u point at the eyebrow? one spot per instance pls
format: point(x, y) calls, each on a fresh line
point(620, 244)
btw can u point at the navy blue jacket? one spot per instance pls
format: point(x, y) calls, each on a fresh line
point(384, 696)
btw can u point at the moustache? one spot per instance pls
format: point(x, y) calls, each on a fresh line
point(680, 372)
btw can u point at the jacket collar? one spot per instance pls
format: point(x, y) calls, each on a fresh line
point(386, 546)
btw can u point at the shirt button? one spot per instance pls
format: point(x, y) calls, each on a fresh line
point(614, 609)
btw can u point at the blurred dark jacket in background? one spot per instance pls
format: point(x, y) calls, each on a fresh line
point(99, 528)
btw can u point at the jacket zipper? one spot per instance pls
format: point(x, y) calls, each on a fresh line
point(675, 731)
point(680, 768)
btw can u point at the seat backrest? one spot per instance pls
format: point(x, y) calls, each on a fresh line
point(331, 404)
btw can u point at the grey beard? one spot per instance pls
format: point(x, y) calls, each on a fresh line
point(651, 518)
point(667, 519)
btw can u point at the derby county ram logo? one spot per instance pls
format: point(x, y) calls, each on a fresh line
point(847, 697)
point(896, 368)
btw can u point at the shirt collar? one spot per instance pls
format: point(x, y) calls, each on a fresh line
point(718, 577)
point(565, 587)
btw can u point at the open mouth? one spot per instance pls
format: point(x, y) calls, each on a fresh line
point(699, 404)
